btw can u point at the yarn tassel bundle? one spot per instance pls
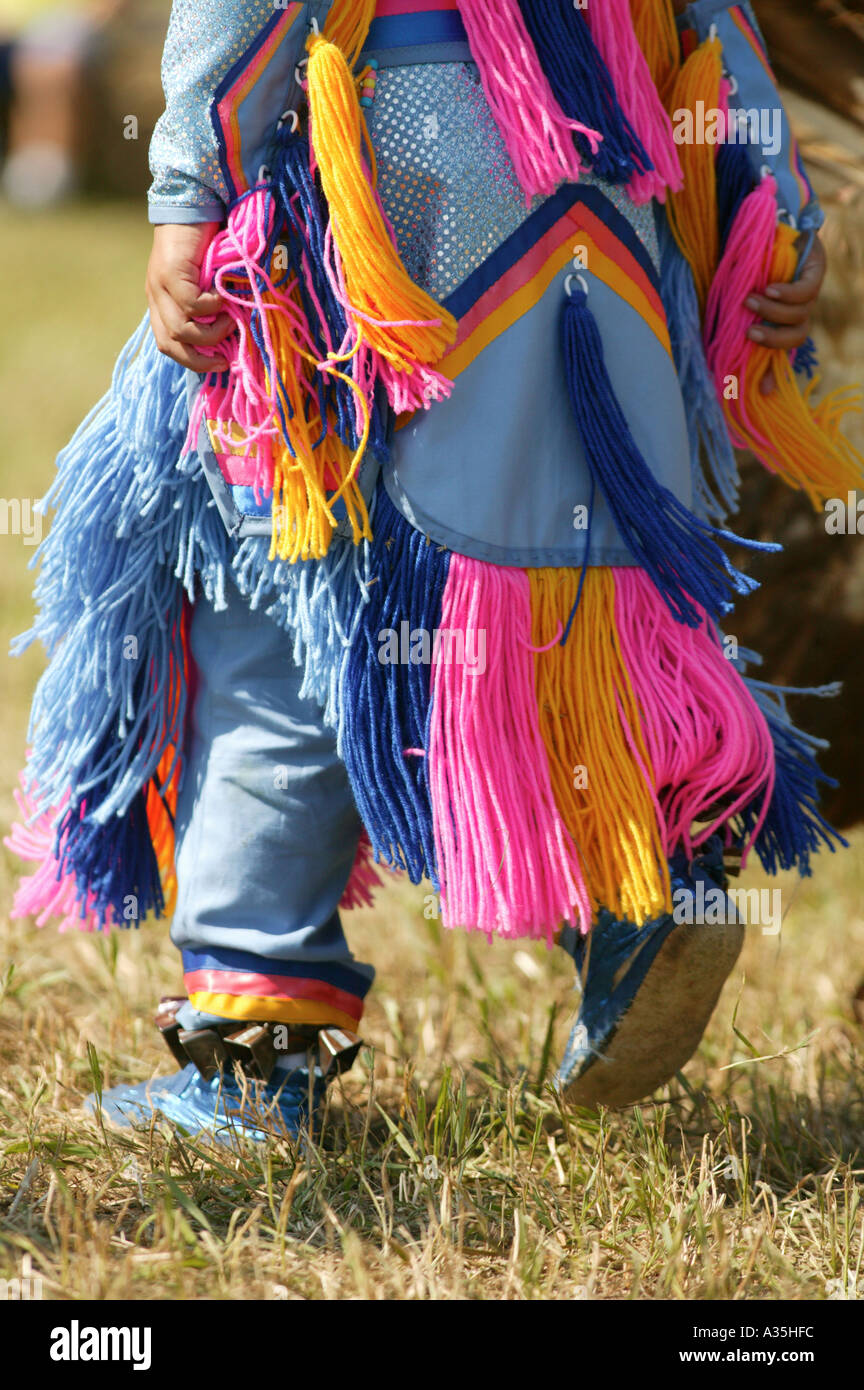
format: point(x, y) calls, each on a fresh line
point(792, 435)
point(537, 133)
point(583, 87)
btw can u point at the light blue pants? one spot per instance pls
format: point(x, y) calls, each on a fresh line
point(266, 836)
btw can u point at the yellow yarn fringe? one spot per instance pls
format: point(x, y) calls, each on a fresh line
point(308, 481)
point(583, 695)
point(322, 469)
point(347, 25)
point(657, 36)
point(392, 314)
point(693, 210)
point(791, 435)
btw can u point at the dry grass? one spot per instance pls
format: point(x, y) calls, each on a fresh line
point(740, 1181)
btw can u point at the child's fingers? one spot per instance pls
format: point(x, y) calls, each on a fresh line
point(179, 351)
point(808, 284)
point(205, 334)
point(775, 312)
point(192, 302)
point(786, 338)
point(181, 327)
point(205, 305)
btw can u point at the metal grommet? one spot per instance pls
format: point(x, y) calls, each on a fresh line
point(582, 281)
point(294, 118)
point(263, 174)
point(298, 74)
point(733, 84)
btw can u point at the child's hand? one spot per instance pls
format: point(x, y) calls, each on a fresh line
point(786, 309)
point(789, 306)
point(176, 301)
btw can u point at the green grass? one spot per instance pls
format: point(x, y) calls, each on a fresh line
point(741, 1180)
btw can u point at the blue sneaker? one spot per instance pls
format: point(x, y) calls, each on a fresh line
point(647, 993)
point(225, 1106)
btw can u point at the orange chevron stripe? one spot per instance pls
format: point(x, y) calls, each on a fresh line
point(608, 260)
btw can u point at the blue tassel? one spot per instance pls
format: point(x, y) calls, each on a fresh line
point(386, 708)
point(676, 549)
point(713, 467)
point(794, 828)
point(583, 87)
point(115, 867)
point(807, 359)
point(735, 180)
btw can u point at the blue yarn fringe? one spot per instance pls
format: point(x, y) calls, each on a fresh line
point(386, 707)
point(129, 524)
point(677, 550)
point(583, 87)
point(735, 181)
point(713, 466)
point(794, 828)
point(806, 359)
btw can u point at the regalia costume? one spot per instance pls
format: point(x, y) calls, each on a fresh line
point(436, 577)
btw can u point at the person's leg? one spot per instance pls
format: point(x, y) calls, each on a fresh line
point(266, 837)
point(267, 832)
point(47, 73)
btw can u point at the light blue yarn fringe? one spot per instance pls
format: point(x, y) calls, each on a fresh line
point(133, 518)
point(714, 468)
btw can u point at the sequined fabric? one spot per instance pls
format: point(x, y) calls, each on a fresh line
point(202, 44)
point(445, 178)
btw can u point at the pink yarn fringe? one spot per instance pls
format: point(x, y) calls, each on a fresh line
point(416, 389)
point(365, 879)
point(745, 268)
point(706, 737)
point(611, 24)
point(248, 399)
point(538, 135)
point(506, 861)
point(44, 894)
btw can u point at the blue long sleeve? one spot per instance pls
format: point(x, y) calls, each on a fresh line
point(205, 38)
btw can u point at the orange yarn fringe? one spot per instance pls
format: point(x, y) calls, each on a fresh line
point(657, 36)
point(693, 211)
point(789, 432)
point(392, 315)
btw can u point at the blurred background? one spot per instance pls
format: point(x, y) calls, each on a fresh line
point(79, 95)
